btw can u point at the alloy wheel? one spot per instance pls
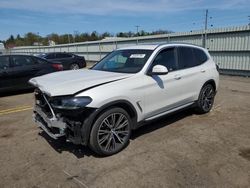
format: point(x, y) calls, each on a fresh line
point(207, 98)
point(113, 132)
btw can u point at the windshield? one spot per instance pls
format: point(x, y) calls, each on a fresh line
point(124, 61)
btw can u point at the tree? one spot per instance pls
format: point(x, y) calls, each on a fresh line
point(32, 38)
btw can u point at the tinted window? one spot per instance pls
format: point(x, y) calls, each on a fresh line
point(4, 62)
point(22, 61)
point(186, 58)
point(167, 58)
point(50, 56)
point(62, 55)
point(200, 55)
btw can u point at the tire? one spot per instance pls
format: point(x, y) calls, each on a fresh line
point(206, 99)
point(110, 132)
point(74, 66)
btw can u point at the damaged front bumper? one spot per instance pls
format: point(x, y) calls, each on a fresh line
point(74, 125)
point(54, 127)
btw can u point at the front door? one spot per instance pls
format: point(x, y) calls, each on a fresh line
point(163, 91)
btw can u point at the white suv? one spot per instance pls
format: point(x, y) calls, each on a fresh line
point(99, 107)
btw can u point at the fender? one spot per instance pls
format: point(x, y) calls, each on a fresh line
point(88, 123)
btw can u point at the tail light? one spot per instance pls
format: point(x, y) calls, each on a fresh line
point(58, 67)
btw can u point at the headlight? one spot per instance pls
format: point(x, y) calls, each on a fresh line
point(70, 103)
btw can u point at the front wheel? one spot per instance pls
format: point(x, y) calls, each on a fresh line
point(206, 99)
point(110, 132)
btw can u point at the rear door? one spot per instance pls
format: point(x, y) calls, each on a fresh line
point(5, 78)
point(190, 72)
point(23, 69)
point(65, 59)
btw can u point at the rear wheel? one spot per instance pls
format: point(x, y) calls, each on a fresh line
point(74, 66)
point(206, 99)
point(111, 132)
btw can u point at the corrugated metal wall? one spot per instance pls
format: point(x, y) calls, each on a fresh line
point(230, 47)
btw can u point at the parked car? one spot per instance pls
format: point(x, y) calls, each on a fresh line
point(68, 60)
point(99, 107)
point(17, 70)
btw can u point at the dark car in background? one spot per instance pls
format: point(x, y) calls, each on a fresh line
point(69, 61)
point(17, 70)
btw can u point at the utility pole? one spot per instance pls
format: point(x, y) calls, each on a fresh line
point(68, 39)
point(38, 41)
point(137, 33)
point(205, 31)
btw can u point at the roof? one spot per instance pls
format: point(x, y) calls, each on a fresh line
point(154, 46)
point(141, 47)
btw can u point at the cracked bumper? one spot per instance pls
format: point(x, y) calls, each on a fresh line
point(54, 127)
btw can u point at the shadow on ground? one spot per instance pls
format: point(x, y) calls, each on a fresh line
point(80, 151)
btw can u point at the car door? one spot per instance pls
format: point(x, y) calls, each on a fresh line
point(5, 78)
point(190, 73)
point(65, 59)
point(162, 92)
point(23, 69)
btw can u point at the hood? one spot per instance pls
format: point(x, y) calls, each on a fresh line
point(71, 82)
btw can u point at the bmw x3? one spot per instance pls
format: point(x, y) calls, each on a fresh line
point(100, 107)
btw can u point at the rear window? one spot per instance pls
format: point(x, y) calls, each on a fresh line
point(40, 60)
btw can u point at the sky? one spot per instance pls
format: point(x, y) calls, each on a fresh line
point(69, 16)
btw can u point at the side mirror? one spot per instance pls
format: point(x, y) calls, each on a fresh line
point(159, 70)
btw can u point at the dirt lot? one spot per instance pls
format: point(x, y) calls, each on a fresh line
point(184, 150)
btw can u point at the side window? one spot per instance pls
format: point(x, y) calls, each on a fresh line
point(200, 55)
point(186, 58)
point(22, 61)
point(167, 58)
point(50, 56)
point(63, 55)
point(4, 62)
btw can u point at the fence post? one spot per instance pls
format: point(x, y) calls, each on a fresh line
point(88, 51)
point(100, 51)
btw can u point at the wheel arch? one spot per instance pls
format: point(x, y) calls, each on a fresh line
point(124, 104)
point(212, 82)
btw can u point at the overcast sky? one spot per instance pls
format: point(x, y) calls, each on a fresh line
point(67, 16)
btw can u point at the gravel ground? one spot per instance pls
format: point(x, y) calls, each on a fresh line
point(182, 150)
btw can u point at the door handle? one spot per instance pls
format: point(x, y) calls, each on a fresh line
point(177, 77)
point(203, 70)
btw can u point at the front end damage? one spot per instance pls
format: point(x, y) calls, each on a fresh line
point(74, 125)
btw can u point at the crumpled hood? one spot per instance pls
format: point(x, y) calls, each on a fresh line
point(71, 82)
